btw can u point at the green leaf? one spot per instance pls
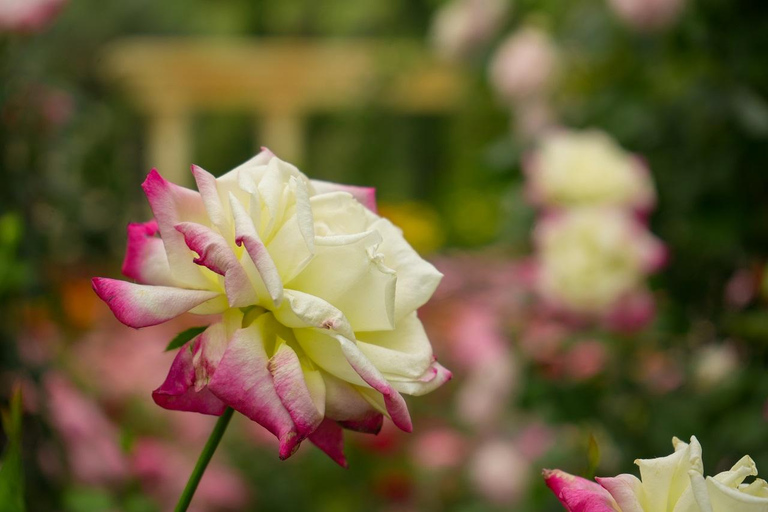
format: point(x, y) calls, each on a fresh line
point(11, 469)
point(593, 456)
point(184, 336)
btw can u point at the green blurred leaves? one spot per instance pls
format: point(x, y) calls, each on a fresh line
point(11, 470)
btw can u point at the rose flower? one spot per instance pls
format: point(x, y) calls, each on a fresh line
point(317, 296)
point(674, 483)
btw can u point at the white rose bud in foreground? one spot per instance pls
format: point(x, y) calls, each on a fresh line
point(674, 483)
point(587, 169)
point(590, 259)
point(317, 296)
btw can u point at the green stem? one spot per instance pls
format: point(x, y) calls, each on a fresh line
point(204, 459)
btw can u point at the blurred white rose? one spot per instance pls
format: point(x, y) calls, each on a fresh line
point(461, 27)
point(523, 66)
point(589, 259)
point(713, 364)
point(587, 168)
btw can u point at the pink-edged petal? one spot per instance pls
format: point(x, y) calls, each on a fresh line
point(138, 305)
point(578, 494)
point(243, 381)
point(329, 437)
point(214, 253)
point(184, 388)
point(145, 258)
point(172, 204)
point(293, 389)
point(214, 204)
point(626, 490)
point(246, 234)
point(394, 402)
point(319, 324)
point(365, 195)
point(435, 376)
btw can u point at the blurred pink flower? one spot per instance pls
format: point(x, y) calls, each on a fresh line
point(659, 372)
point(499, 472)
point(585, 359)
point(28, 15)
point(461, 27)
point(647, 15)
point(486, 392)
point(90, 439)
point(742, 288)
point(523, 66)
point(632, 312)
point(439, 448)
point(534, 440)
point(163, 469)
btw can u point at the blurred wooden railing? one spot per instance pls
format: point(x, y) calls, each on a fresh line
point(280, 81)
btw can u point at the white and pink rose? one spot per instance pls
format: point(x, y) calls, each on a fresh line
point(317, 297)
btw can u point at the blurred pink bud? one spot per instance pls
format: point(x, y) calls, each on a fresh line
point(440, 448)
point(647, 15)
point(585, 359)
point(163, 471)
point(524, 65)
point(499, 472)
point(90, 440)
point(535, 440)
point(28, 15)
point(475, 337)
point(461, 27)
point(632, 312)
point(741, 288)
point(659, 372)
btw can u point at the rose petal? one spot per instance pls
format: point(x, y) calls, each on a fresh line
point(404, 351)
point(365, 195)
point(215, 253)
point(417, 279)
point(138, 305)
point(627, 490)
point(184, 389)
point(246, 234)
point(435, 376)
point(302, 394)
point(170, 205)
point(145, 258)
point(578, 494)
point(243, 381)
point(213, 201)
point(330, 438)
point(352, 278)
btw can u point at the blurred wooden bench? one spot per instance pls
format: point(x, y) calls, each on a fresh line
point(281, 81)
